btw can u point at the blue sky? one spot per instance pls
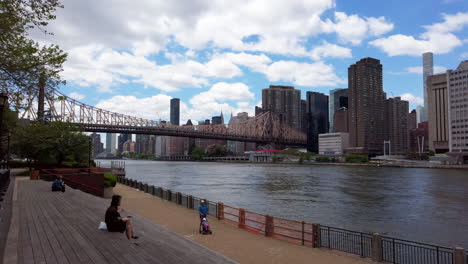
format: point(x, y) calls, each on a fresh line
point(133, 57)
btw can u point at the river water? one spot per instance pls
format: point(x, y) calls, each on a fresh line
point(426, 205)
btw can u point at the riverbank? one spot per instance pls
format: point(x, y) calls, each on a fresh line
point(305, 163)
point(228, 240)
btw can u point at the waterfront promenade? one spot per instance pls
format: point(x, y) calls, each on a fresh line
point(57, 227)
point(235, 243)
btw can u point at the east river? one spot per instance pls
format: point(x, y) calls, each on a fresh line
point(426, 205)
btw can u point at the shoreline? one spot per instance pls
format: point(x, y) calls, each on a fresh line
point(398, 165)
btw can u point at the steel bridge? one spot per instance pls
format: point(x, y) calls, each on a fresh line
point(56, 106)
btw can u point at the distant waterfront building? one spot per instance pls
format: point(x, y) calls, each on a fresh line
point(428, 70)
point(238, 147)
point(366, 106)
point(317, 113)
point(121, 140)
point(304, 121)
point(175, 111)
point(411, 124)
point(285, 102)
point(218, 120)
point(142, 144)
point(437, 95)
point(396, 124)
point(341, 120)
point(333, 143)
point(419, 113)
point(419, 138)
point(160, 150)
point(458, 108)
point(111, 139)
point(258, 110)
point(338, 99)
point(129, 146)
point(98, 146)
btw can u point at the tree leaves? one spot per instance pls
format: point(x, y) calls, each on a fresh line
point(22, 60)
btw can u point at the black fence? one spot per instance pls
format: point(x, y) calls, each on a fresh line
point(346, 240)
point(392, 250)
point(185, 200)
point(404, 251)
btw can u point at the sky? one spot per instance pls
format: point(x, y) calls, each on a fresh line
point(132, 57)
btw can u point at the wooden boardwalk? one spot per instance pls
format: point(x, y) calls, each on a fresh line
point(55, 227)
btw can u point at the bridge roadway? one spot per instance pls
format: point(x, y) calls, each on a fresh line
point(56, 227)
point(185, 133)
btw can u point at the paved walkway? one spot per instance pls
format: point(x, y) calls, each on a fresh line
point(227, 239)
point(57, 227)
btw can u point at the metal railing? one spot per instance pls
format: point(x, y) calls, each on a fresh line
point(346, 240)
point(392, 250)
point(410, 252)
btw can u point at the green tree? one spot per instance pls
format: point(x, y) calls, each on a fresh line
point(24, 63)
point(197, 153)
point(51, 144)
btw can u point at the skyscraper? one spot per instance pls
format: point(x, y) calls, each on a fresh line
point(338, 97)
point(121, 140)
point(98, 147)
point(285, 102)
point(175, 111)
point(396, 124)
point(458, 108)
point(428, 70)
point(438, 113)
point(366, 105)
point(111, 142)
point(317, 112)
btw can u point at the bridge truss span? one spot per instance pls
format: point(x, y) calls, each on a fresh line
point(264, 128)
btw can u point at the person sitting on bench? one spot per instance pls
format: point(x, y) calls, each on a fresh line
point(58, 185)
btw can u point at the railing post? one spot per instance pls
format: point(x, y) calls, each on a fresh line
point(179, 198)
point(303, 224)
point(220, 211)
point(241, 218)
point(145, 187)
point(160, 193)
point(459, 256)
point(269, 226)
point(377, 249)
point(190, 201)
point(169, 195)
point(316, 239)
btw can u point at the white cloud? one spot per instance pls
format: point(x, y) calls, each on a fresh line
point(353, 29)
point(330, 50)
point(419, 69)
point(438, 38)
point(303, 74)
point(154, 107)
point(76, 96)
point(413, 99)
point(464, 55)
point(103, 67)
point(220, 97)
point(145, 27)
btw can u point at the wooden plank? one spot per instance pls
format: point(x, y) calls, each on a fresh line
point(112, 242)
point(74, 253)
point(77, 243)
point(26, 247)
point(53, 251)
point(35, 242)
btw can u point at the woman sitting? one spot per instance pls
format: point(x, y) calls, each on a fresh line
point(116, 223)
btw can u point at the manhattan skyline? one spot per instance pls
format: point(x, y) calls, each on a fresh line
point(217, 56)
